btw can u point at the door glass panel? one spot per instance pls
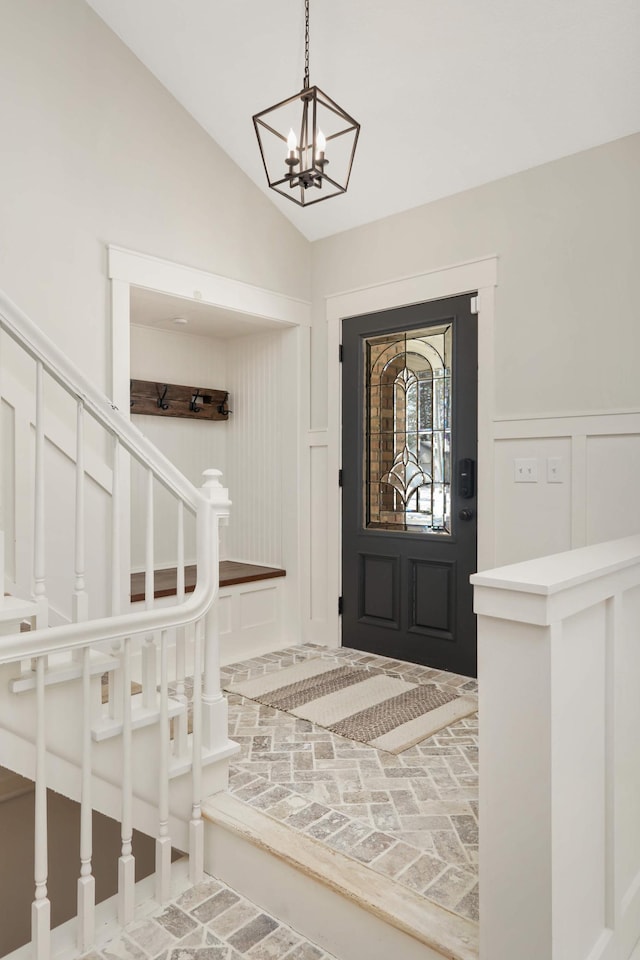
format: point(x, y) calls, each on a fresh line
point(407, 470)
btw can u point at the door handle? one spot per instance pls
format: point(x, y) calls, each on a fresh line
point(466, 515)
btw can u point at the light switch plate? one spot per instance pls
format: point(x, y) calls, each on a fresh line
point(555, 470)
point(525, 470)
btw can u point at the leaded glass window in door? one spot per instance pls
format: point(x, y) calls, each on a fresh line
point(407, 470)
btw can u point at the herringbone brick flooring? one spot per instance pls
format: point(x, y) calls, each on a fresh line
point(413, 816)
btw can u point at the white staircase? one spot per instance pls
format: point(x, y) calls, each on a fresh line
point(132, 757)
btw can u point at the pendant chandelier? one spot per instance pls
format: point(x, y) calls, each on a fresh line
point(307, 142)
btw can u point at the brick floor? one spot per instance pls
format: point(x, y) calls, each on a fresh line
point(411, 816)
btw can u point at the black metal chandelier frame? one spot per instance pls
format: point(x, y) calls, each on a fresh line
point(304, 167)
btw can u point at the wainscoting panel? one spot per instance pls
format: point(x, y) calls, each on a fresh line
point(612, 481)
point(258, 607)
point(587, 471)
point(251, 619)
point(318, 559)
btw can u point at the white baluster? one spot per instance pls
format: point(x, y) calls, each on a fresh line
point(163, 842)
point(149, 668)
point(39, 582)
point(1, 478)
point(86, 881)
point(115, 530)
point(80, 601)
point(40, 908)
point(196, 824)
point(214, 704)
point(180, 724)
point(115, 677)
point(126, 863)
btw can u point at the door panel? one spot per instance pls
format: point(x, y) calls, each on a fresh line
point(409, 446)
point(431, 604)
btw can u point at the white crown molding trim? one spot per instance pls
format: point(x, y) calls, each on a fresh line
point(178, 280)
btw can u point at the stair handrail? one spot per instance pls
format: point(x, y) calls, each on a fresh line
point(61, 369)
point(71, 636)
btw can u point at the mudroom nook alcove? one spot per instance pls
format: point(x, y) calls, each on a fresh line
point(179, 341)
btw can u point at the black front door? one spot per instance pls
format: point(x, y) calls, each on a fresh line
point(409, 441)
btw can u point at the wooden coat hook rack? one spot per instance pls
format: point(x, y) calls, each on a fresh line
point(172, 400)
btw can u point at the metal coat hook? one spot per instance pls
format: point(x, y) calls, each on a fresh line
point(223, 408)
point(193, 406)
point(161, 397)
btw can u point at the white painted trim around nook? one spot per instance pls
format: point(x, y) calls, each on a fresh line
point(128, 268)
point(179, 280)
point(447, 281)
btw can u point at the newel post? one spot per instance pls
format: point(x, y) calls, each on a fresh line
point(214, 704)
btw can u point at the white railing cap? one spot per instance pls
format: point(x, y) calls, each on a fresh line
point(561, 571)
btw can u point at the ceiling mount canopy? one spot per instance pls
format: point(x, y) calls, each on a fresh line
point(307, 142)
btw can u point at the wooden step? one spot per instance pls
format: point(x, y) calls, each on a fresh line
point(336, 901)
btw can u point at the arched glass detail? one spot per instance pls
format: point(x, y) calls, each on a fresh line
point(407, 473)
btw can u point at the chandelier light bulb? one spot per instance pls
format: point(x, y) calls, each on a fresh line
point(292, 144)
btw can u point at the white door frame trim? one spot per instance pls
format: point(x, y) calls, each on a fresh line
point(480, 275)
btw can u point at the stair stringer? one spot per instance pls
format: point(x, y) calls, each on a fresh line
point(64, 753)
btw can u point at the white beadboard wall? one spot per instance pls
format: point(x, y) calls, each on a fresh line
point(257, 448)
point(184, 358)
point(250, 448)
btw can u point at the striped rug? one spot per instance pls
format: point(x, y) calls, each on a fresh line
point(383, 711)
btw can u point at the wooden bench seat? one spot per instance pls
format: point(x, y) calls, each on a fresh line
point(231, 572)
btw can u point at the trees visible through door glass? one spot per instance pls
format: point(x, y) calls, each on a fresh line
point(407, 473)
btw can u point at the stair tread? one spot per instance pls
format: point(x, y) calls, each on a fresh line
point(449, 934)
point(13, 608)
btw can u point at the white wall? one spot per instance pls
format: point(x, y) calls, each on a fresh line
point(96, 151)
point(256, 449)
point(567, 236)
point(566, 342)
point(193, 446)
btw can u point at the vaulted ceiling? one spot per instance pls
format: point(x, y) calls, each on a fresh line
point(450, 94)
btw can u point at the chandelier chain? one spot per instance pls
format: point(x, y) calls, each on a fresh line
point(306, 44)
